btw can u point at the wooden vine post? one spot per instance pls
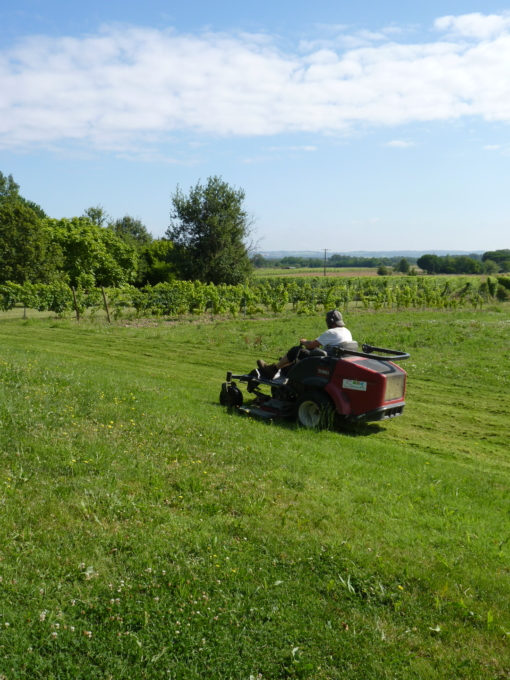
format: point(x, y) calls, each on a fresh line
point(76, 305)
point(106, 305)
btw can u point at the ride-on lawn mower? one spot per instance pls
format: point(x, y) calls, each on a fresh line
point(345, 383)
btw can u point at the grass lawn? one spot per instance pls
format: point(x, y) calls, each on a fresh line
point(147, 532)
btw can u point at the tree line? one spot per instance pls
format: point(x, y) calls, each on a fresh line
point(491, 262)
point(207, 241)
point(336, 260)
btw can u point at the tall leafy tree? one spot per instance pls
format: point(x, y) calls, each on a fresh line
point(403, 266)
point(90, 250)
point(430, 263)
point(9, 191)
point(97, 215)
point(157, 263)
point(132, 230)
point(210, 229)
point(498, 256)
point(27, 251)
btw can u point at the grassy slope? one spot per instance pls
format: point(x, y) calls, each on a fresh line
point(191, 542)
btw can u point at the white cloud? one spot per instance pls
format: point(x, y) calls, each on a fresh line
point(400, 144)
point(476, 25)
point(492, 147)
point(128, 89)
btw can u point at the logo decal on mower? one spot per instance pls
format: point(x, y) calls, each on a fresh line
point(323, 371)
point(355, 385)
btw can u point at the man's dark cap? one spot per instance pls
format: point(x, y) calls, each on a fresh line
point(335, 318)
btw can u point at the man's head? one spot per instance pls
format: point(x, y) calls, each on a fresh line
point(334, 319)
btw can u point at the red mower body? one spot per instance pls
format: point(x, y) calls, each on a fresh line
point(366, 389)
point(361, 386)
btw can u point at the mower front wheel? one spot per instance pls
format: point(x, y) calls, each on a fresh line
point(231, 395)
point(315, 410)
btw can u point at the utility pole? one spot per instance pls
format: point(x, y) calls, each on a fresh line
point(325, 251)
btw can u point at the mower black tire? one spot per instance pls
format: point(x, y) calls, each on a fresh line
point(231, 395)
point(315, 409)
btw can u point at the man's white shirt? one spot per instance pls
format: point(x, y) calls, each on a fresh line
point(334, 336)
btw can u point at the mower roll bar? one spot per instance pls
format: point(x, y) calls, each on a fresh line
point(368, 353)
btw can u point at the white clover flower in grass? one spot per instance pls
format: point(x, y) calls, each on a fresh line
point(54, 635)
point(72, 629)
point(42, 615)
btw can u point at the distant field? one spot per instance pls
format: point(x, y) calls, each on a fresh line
point(306, 271)
point(147, 532)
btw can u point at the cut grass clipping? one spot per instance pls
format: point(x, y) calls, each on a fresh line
point(147, 532)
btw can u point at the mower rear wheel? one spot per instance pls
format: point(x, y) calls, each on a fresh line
point(230, 395)
point(315, 410)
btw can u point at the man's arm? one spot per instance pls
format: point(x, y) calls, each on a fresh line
point(310, 344)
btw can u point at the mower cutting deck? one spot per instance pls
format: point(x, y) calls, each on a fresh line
point(348, 384)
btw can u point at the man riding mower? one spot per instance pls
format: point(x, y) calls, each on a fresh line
point(318, 386)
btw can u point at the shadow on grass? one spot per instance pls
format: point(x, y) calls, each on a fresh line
point(347, 429)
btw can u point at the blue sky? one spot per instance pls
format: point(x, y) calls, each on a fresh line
point(351, 126)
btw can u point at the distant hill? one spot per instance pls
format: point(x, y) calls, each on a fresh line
point(278, 254)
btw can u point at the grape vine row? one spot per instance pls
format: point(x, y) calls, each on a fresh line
point(300, 295)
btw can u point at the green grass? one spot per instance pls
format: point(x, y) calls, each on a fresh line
point(146, 532)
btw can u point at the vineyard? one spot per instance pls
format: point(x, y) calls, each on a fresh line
point(300, 295)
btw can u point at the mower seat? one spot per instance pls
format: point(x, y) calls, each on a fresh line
point(348, 344)
point(318, 353)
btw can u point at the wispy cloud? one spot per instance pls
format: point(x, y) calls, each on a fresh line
point(293, 148)
point(127, 89)
point(400, 144)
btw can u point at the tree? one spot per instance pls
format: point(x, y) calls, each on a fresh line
point(27, 253)
point(429, 263)
point(9, 191)
point(496, 255)
point(209, 228)
point(403, 266)
point(382, 270)
point(131, 230)
point(490, 267)
point(157, 263)
point(96, 214)
point(259, 261)
point(466, 265)
point(89, 249)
